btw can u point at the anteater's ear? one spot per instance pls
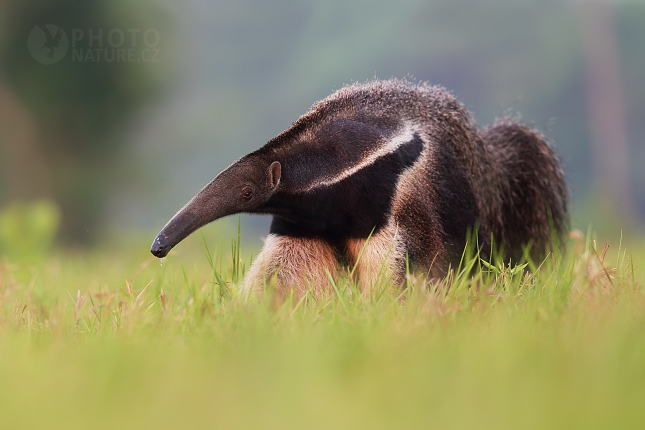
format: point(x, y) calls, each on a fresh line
point(275, 171)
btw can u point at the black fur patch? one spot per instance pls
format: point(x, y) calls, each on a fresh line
point(410, 152)
point(336, 148)
point(351, 208)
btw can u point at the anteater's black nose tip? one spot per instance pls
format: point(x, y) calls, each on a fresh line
point(159, 249)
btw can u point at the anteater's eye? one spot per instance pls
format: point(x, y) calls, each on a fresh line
point(247, 192)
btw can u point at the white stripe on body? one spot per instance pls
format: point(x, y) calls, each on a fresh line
point(389, 147)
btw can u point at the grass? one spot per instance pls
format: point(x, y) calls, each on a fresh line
point(110, 340)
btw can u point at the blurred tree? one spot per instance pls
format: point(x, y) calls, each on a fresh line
point(606, 106)
point(61, 123)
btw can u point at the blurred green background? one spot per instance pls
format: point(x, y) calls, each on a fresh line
point(99, 147)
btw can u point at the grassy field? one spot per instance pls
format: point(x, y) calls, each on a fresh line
point(114, 340)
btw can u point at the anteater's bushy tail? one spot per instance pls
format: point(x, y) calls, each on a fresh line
point(534, 195)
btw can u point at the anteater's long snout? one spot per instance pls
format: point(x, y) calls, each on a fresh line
point(177, 229)
point(195, 214)
point(160, 247)
point(208, 205)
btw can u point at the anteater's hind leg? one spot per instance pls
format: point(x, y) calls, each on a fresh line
point(382, 258)
point(297, 264)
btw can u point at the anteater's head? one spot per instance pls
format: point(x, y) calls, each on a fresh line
point(333, 172)
point(243, 187)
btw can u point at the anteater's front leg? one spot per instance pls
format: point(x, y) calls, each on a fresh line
point(297, 263)
point(379, 259)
